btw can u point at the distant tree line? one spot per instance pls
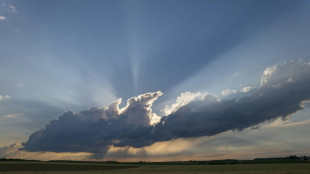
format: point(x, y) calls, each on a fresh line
point(15, 159)
point(288, 159)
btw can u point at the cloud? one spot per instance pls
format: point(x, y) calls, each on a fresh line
point(13, 8)
point(2, 18)
point(287, 123)
point(248, 144)
point(182, 100)
point(96, 129)
point(247, 89)
point(6, 97)
point(15, 115)
point(227, 92)
point(194, 115)
point(9, 8)
point(265, 104)
point(12, 151)
point(267, 74)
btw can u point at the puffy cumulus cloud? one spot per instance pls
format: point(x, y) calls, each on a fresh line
point(96, 129)
point(99, 129)
point(182, 100)
point(227, 92)
point(138, 110)
point(291, 72)
point(267, 74)
point(247, 89)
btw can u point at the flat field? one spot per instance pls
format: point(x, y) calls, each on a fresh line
point(86, 168)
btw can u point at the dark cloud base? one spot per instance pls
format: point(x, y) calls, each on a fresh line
point(283, 91)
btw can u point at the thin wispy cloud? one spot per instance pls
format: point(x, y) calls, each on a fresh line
point(11, 116)
point(12, 151)
point(13, 8)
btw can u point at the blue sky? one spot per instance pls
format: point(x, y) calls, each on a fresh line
point(58, 56)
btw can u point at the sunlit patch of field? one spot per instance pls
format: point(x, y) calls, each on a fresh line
point(69, 168)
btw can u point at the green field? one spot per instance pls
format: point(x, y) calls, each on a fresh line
point(97, 168)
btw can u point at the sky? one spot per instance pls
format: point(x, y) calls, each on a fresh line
point(161, 80)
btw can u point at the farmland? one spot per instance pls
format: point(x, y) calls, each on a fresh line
point(99, 168)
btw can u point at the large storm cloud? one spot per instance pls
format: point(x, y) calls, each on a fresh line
point(282, 92)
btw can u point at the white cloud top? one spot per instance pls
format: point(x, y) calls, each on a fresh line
point(6, 97)
point(227, 92)
point(247, 89)
point(267, 74)
point(182, 100)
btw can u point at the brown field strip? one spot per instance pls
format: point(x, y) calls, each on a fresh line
point(57, 167)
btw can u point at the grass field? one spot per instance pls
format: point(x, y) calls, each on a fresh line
point(87, 168)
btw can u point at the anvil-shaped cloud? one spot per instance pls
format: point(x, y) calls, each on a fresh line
point(283, 91)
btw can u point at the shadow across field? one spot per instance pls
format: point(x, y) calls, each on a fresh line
point(10, 167)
